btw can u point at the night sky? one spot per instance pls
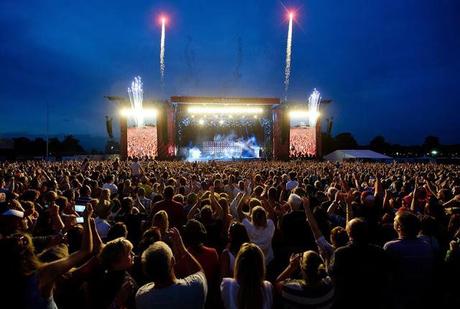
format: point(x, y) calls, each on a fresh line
point(391, 67)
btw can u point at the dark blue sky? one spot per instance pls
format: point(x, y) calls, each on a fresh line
point(391, 67)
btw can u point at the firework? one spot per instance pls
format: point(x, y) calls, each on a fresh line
point(313, 107)
point(136, 96)
point(287, 70)
point(162, 50)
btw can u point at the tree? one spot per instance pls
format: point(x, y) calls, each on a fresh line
point(378, 144)
point(430, 143)
point(38, 147)
point(345, 141)
point(22, 145)
point(71, 146)
point(54, 146)
point(328, 144)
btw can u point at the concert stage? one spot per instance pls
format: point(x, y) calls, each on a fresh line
point(221, 128)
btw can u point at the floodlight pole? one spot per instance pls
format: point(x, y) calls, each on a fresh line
point(47, 133)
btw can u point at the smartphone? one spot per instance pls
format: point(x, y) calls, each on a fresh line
point(80, 219)
point(80, 208)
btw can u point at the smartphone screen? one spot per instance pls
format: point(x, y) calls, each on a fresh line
point(80, 219)
point(80, 208)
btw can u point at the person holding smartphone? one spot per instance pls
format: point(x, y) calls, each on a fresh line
point(32, 282)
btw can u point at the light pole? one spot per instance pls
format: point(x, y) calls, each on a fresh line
point(47, 133)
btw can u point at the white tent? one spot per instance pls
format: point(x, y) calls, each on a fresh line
point(367, 155)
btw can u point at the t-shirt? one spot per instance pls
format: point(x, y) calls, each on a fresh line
point(296, 231)
point(136, 168)
point(362, 268)
point(229, 292)
point(261, 237)
point(291, 184)
point(412, 262)
point(111, 186)
point(209, 260)
point(187, 293)
point(295, 294)
point(102, 227)
point(175, 211)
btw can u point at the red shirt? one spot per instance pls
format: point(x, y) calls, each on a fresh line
point(209, 260)
point(175, 211)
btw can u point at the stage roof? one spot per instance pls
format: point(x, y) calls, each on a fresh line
point(225, 100)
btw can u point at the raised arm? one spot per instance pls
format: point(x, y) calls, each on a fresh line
point(182, 255)
point(217, 211)
point(294, 263)
point(311, 219)
point(239, 209)
point(48, 273)
point(193, 212)
point(139, 205)
point(378, 187)
point(413, 204)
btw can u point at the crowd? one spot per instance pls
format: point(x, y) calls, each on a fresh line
point(142, 142)
point(148, 234)
point(303, 142)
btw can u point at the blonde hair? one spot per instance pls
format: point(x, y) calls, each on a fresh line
point(161, 220)
point(114, 250)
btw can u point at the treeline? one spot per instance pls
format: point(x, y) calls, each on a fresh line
point(430, 147)
point(23, 146)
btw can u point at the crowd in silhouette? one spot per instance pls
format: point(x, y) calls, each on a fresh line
point(304, 234)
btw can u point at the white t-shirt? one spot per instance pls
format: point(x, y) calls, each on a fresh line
point(111, 186)
point(261, 237)
point(189, 292)
point(229, 293)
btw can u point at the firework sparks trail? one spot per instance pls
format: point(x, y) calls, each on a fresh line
point(313, 107)
point(136, 96)
point(287, 70)
point(162, 51)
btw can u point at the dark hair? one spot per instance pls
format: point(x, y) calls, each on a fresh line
point(117, 230)
point(409, 224)
point(168, 193)
point(429, 226)
point(74, 238)
point(339, 237)
point(237, 236)
point(194, 233)
point(150, 236)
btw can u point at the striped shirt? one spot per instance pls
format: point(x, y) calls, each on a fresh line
point(296, 294)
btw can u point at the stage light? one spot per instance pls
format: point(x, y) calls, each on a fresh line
point(221, 122)
point(255, 116)
point(146, 112)
point(299, 114)
point(201, 122)
point(216, 110)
